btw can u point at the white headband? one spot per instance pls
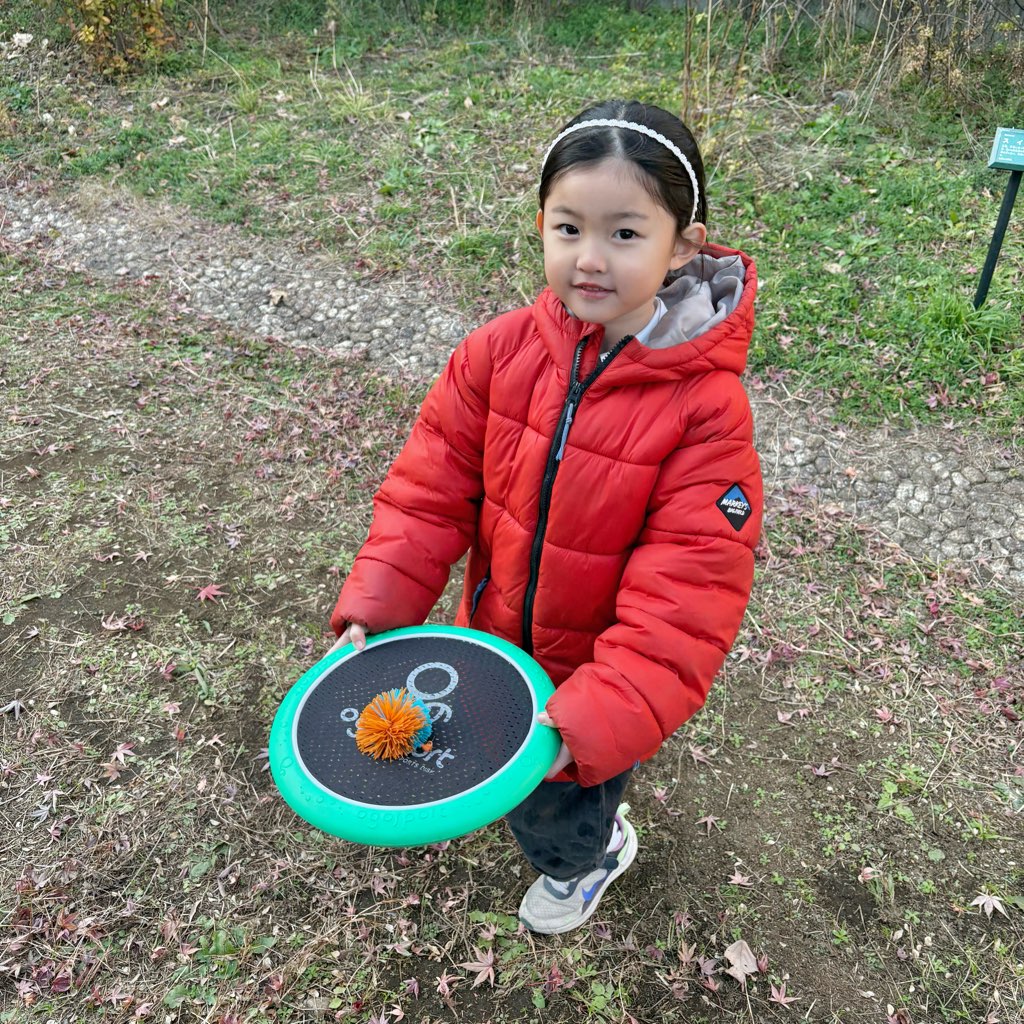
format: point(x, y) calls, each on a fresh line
point(643, 130)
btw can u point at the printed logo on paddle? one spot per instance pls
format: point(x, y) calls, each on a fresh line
point(433, 760)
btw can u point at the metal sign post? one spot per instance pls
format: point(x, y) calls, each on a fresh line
point(1007, 155)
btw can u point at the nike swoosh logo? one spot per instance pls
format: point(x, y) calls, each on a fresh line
point(588, 893)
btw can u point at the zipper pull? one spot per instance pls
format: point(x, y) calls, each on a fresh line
point(569, 410)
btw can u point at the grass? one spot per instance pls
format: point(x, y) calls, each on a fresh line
point(848, 794)
point(409, 145)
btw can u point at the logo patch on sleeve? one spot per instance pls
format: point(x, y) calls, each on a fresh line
point(735, 507)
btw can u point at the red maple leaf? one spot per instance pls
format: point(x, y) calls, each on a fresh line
point(779, 996)
point(482, 966)
point(210, 592)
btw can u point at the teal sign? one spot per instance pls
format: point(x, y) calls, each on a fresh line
point(1008, 150)
point(1007, 155)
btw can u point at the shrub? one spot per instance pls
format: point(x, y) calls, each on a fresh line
point(117, 36)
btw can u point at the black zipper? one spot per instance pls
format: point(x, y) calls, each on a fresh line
point(577, 389)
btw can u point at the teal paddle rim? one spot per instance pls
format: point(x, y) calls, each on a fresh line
point(430, 821)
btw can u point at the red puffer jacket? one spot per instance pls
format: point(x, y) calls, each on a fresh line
point(612, 526)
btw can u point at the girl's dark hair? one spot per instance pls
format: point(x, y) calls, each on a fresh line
point(666, 179)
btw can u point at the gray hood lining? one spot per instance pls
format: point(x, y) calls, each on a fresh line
point(701, 295)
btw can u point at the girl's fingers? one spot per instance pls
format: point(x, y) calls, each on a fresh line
point(564, 757)
point(354, 634)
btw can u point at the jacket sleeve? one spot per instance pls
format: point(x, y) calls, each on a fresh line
point(680, 602)
point(425, 513)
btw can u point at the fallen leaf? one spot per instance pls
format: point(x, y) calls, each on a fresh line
point(15, 707)
point(988, 903)
point(554, 981)
point(742, 961)
point(708, 820)
point(123, 750)
point(444, 983)
point(779, 996)
point(823, 771)
point(210, 592)
point(699, 755)
point(482, 966)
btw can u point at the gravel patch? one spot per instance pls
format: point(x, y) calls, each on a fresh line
point(943, 494)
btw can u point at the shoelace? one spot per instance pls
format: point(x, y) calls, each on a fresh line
point(617, 836)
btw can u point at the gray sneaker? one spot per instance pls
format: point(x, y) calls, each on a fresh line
point(551, 907)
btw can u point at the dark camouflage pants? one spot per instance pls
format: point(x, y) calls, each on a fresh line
point(564, 829)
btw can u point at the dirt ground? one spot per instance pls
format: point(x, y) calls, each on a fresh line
point(848, 804)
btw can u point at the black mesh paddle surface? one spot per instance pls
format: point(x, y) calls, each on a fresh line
point(480, 705)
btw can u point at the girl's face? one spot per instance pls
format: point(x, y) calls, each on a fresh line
point(608, 245)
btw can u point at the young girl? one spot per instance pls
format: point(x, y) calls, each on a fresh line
point(593, 452)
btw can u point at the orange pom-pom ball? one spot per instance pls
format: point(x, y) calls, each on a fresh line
point(392, 725)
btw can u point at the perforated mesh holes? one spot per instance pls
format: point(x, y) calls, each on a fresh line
point(490, 709)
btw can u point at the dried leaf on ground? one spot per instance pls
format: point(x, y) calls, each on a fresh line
point(482, 966)
point(988, 903)
point(741, 960)
point(15, 707)
point(779, 996)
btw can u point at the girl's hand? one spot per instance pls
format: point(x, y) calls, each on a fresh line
point(563, 758)
point(354, 634)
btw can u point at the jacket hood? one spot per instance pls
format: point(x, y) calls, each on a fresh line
point(707, 326)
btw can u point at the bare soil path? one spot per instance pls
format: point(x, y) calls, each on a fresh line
point(943, 493)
